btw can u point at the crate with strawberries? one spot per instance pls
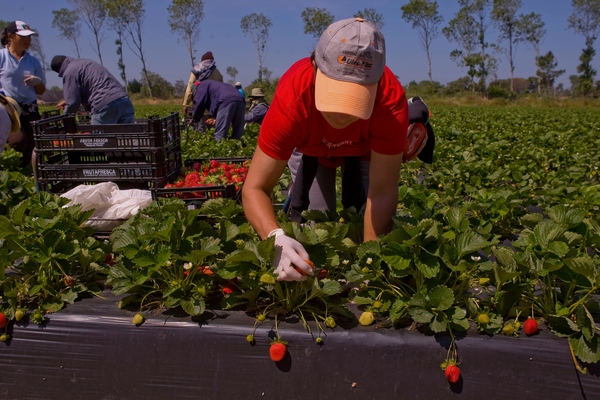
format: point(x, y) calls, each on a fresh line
point(204, 179)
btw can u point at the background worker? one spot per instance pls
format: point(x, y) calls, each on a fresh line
point(10, 124)
point(21, 78)
point(258, 107)
point(225, 103)
point(341, 102)
point(238, 86)
point(205, 69)
point(88, 83)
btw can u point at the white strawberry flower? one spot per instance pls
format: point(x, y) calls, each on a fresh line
point(187, 266)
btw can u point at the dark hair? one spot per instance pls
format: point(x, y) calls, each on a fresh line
point(4, 38)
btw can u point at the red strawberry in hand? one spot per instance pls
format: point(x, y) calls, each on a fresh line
point(530, 327)
point(277, 350)
point(452, 373)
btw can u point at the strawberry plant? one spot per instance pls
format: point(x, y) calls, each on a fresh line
point(52, 258)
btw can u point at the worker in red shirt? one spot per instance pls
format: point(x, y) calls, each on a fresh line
point(342, 102)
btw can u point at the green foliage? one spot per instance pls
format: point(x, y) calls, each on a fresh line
point(316, 20)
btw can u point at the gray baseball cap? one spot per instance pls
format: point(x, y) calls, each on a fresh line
point(350, 58)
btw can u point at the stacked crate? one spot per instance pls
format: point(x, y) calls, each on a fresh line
point(143, 155)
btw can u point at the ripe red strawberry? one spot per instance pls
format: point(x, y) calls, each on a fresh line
point(452, 373)
point(530, 327)
point(2, 320)
point(192, 179)
point(229, 288)
point(277, 350)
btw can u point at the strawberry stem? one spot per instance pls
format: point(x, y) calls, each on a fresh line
point(577, 365)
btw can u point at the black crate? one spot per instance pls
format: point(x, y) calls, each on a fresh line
point(64, 133)
point(189, 163)
point(50, 113)
point(194, 197)
point(170, 155)
point(61, 186)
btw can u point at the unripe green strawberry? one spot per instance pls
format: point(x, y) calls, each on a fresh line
point(4, 337)
point(268, 279)
point(377, 304)
point(250, 338)
point(366, 318)
point(138, 319)
point(330, 322)
point(38, 317)
point(508, 330)
point(319, 340)
point(530, 327)
point(19, 314)
point(261, 317)
point(483, 319)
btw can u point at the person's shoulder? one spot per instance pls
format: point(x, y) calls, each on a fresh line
point(298, 77)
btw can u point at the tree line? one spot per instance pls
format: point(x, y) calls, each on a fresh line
point(476, 49)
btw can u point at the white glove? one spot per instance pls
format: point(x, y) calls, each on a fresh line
point(32, 80)
point(289, 253)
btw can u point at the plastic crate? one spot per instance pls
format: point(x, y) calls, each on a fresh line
point(169, 154)
point(61, 186)
point(189, 163)
point(62, 133)
point(194, 197)
point(50, 113)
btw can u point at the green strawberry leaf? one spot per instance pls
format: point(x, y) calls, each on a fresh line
point(561, 326)
point(469, 242)
point(420, 315)
point(439, 323)
point(587, 350)
point(441, 298)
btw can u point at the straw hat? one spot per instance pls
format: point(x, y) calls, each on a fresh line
point(14, 111)
point(257, 92)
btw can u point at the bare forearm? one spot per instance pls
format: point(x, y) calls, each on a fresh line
point(378, 216)
point(259, 211)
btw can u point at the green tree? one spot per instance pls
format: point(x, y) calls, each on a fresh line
point(585, 21)
point(370, 15)
point(425, 18)
point(316, 20)
point(69, 26)
point(134, 19)
point(530, 29)
point(93, 13)
point(257, 27)
point(504, 15)
point(547, 72)
point(161, 88)
point(118, 14)
point(184, 18)
point(232, 72)
point(585, 84)
point(462, 31)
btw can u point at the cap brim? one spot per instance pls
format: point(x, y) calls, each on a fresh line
point(344, 97)
point(426, 154)
point(26, 32)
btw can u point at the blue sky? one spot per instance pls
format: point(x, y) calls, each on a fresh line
point(220, 33)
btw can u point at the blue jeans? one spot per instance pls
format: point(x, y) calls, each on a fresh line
point(118, 111)
point(231, 114)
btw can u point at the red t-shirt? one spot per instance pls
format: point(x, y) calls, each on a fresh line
point(293, 121)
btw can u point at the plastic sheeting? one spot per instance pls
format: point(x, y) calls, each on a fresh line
point(91, 350)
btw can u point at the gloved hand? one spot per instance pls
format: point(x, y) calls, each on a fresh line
point(32, 80)
point(289, 253)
